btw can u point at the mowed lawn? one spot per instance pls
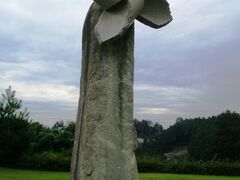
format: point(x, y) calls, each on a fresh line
point(12, 174)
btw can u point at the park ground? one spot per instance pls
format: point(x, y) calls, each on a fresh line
point(12, 174)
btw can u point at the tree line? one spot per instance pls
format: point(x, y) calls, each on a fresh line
point(212, 138)
point(28, 144)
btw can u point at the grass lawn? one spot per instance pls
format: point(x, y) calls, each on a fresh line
point(12, 174)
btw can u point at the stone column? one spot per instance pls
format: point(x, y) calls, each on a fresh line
point(105, 137)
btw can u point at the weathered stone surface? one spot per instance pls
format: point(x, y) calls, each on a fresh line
point(105, 137)
point(156, 13)
point(115, 22)
point(106, 4)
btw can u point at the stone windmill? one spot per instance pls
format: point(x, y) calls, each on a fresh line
point(105, 137)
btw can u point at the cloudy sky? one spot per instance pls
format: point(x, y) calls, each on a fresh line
point(190, 68)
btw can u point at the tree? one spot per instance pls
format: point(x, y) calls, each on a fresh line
point(202, 145)
point(63, 137)
point(228, 135)
point(43, 138)
point(15, 132)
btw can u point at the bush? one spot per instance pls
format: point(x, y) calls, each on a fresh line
point(156, 164)
point(50, 161)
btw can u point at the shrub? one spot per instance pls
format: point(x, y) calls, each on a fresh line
point(50, 161)
point(155, 164)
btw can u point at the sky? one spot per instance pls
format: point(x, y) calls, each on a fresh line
point(187, 69)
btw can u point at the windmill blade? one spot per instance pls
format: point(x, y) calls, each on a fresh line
point(116, 21)
point(106, 4)
point(156, 13)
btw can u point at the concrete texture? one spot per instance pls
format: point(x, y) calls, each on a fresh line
point(115, 22)
point(106, 4)
point(156, 13)
point(105, 137)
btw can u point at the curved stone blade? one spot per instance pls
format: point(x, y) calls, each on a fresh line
point(116, 21)
point(156, 13)
point(106, 4)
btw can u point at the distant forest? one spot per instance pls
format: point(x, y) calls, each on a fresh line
point(28, 144)
point(216, 137)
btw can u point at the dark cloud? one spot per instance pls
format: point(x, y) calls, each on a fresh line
point(189, 68)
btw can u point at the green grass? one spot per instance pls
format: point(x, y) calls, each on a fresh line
point(183, 177)
point(12, 174)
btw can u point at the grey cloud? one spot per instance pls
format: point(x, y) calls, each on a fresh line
point(49, 113)
point(195, 58)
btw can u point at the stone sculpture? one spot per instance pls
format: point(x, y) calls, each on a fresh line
point(114, 22)
point(105, 138)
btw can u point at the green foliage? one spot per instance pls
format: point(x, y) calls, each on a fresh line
point(208, 139)
point(228, 135)
point(202, 146)
point(15, 134)
point(30, 144)
point(149, 132)
point(213, 143)
point(146, 129)
point(217, 138)
point(157, 164)
point(179, 134)
point(59, 138)
point(48, 161)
